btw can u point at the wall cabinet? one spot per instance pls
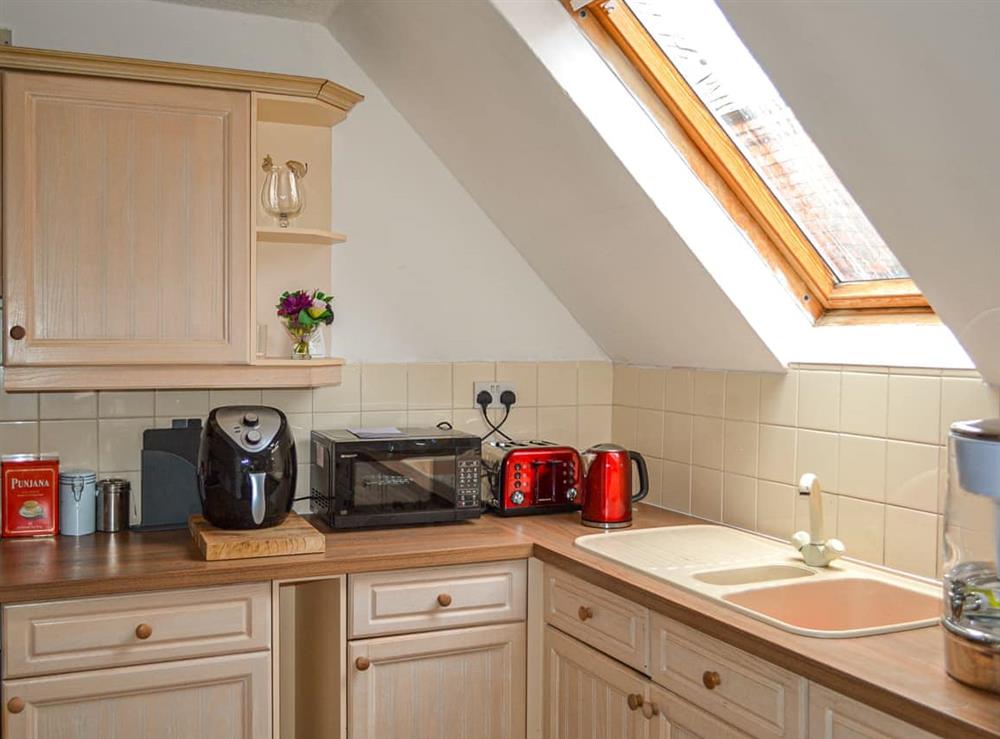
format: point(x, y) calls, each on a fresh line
point(220, 697)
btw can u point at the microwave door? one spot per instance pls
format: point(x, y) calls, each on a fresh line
point(385, 482)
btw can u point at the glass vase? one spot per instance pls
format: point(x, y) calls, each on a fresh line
point(302, 336)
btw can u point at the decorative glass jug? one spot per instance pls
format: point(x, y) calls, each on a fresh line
point(282, 195)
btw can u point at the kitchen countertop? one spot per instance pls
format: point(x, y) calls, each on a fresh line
point(902, 674)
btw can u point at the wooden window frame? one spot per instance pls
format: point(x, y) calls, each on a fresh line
point(620, 37)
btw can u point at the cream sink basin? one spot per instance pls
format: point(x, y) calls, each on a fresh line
point(769, 581)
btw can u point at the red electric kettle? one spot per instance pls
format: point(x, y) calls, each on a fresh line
point(607, 487)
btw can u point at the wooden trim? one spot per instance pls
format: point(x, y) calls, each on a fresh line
point(94, 65)
point(279, 373)
point(780, 242)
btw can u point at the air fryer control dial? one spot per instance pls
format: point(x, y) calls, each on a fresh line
point(253, 437)
point(251, 428)
point(251, 419)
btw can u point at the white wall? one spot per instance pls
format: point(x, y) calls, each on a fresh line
point(903, 98)
point(426, 274)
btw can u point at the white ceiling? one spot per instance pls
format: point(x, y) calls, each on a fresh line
point(316, 11)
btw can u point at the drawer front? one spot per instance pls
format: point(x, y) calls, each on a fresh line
point(88, 633)
point(607, 622)
point(760, 698)
point(834, 716)
point(407, 601)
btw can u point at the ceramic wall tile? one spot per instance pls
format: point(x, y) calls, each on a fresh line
point(342, 398)
point(293, 400)
point(862, 467)
point(336, 420)
point(706, 493)
point(76, 442)
point(864, 403)
point(706, 442)
point(625, 389)
point(652, 388)
point(524, 375)
point(818, 452)
point(819, 400)
point(649, 433)
point(676, 494)
point(739, 500)
point(383, 387)
point(709, 393)
point(301, 425)
point(779, 398)
point(743, 396)
point(654, 496)
point(65, 406)
point(428, 418)
point(470, 420)
point(464, 376)
point(557, 383)
point(678, 393)
point(775, 509)
point(623, 426)
point(776, 456)
point(914, 408)
point(182, 403)
point(740, 447)
point(912, 475)
point(595, 383)
point(379, 419)
point(861, 526)
point(17, 406)
point(521, 424)
point(558, 424)
point(911, 541)
point(677, 430)
point(131, 403)
point(593, 425)
point(429, 386)
point(217, 398)
point(120, 442)
point(963, 399)
point(19, 437)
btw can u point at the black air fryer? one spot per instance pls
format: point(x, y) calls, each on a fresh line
point(246, 467)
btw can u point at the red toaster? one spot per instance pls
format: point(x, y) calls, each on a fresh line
point(526, 477)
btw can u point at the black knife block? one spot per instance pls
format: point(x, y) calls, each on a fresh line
point(170, 476)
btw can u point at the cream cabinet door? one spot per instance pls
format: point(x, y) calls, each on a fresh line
point(215, 698)
point(673, 717)
point(835, 716)
point(126, 222)
point(455, 684)
point(587, 695)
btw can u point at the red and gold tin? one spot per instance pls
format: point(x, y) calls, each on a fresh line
point(30, 494)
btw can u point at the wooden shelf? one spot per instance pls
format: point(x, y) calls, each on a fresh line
point(269, 373)
point(291, 235)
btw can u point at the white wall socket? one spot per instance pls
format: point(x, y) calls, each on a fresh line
point(494, 388)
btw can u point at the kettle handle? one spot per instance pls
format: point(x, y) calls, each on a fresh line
point(640, 463)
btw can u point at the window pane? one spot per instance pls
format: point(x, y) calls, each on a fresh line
point(698, 40)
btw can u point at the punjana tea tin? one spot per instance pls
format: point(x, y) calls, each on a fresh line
point(30, 494)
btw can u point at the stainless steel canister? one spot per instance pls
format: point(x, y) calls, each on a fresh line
point(113, 504)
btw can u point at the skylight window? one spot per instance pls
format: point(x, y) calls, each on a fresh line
point(701, 44)
point(814, 233)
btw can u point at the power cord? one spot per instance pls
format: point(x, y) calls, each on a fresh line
point(507, 399)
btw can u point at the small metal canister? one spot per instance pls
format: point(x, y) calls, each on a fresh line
point(77, 502)
point(113, 504)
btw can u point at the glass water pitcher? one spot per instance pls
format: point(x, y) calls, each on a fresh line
point(282, 195)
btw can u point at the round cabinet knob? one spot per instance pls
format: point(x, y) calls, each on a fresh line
point(650, 709)
point(517, 498)
point(17, 332)
point(16, 705)
point(251, 419)
point(252, 436)
point(362, 663)
point(571, 494)
point(444, 600)
point(143, 631)
point(711, 679)
point(635, 701)
point(585, 613)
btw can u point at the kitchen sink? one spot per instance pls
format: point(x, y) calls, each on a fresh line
point(768, 580)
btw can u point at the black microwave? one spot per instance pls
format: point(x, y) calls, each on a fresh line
point(416, 476)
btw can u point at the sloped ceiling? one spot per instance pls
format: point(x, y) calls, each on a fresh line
point(904, 101)
point(314, 11)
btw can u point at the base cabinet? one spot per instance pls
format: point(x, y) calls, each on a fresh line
point(454, 684)
point(219, 697)
point(835, 716)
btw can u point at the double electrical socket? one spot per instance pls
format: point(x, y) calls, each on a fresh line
point(493, 388)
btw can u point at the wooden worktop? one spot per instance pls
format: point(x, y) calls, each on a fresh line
point(902, 674)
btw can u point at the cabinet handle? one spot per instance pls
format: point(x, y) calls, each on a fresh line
point(444, 600)
point(143, 631)
point(17, 332)
point(650, 709)
point(711, 679)
point(635, 701)
point(362, 663)
point(16, 705)
point(585, 612)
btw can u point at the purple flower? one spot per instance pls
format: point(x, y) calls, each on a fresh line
point(291, 304)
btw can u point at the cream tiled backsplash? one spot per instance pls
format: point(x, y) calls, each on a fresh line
point(567, 402)
point(730, 446)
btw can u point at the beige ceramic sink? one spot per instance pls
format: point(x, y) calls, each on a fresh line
point(767, 579)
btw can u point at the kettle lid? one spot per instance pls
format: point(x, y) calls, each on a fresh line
point(607, 448)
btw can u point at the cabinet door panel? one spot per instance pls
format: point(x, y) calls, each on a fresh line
point(675, 718)
point(217, 698)
point(456, 684)
point(126, 221)
point(835, 716)
point(586, 693)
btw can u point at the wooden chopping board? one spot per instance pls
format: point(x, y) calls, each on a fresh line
point(294, 535)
